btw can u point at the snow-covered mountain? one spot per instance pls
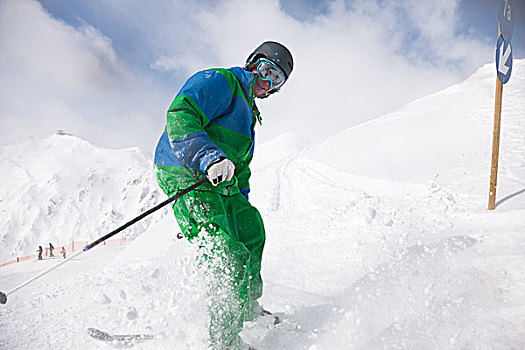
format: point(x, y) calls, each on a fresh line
point(60, 189)
point(447, 135)
point(378, 238)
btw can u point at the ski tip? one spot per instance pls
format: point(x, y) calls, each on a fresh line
point(120, 338)
point(98, 334)
point(3, 298)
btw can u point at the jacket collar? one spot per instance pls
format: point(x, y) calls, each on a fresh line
point(245, 78)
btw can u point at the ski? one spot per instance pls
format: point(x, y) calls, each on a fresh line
point(104, 336)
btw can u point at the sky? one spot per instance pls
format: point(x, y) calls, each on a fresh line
point(106, 70)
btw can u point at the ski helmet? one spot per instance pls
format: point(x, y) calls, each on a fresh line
point(276, 53)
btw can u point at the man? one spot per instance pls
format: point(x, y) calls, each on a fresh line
point(210, 133)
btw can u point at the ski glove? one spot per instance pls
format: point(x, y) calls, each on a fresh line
point(220, 170)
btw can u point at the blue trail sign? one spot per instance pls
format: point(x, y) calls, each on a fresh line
point(506, 19)
point(503, 59)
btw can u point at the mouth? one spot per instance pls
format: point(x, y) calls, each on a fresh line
point(265, 88)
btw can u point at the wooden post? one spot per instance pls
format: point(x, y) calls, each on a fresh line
point(495, 141)
point(495, 146)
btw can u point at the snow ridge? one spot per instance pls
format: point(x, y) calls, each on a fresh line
point(60, 189)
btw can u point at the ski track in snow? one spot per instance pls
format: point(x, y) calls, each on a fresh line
point(357, 261)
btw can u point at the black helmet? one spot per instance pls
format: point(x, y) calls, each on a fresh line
point(276, 53)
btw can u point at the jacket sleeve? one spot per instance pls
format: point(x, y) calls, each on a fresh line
point(204, 97)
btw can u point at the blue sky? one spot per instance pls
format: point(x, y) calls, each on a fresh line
point(106, 70)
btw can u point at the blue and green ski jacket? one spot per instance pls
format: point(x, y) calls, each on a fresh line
point(212, 116)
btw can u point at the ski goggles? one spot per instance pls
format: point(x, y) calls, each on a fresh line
point(270, 72)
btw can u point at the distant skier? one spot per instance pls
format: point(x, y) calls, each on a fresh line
point(39, 251)
point(63, 251)
point(210, 133)
point(51, 250)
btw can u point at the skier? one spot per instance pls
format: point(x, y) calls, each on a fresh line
point(51, 250)
point(210, 133)
point(63, 251)
point(39, 251)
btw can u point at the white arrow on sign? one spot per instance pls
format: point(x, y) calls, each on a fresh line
point(503, 58)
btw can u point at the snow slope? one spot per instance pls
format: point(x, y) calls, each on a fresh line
point(60, 189)
point(447, 135)
point(285, 145)
point(377, 238)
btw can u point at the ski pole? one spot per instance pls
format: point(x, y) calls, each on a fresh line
point(3, 296)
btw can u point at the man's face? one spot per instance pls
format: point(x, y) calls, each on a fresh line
point(262, 87)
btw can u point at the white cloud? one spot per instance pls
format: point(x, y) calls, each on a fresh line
point(358, 60)
point(185, 64)
point(352, 63)
point(55, 76)
point(435, 20)
point(45, 49)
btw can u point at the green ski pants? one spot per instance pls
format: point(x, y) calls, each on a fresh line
point(230, 234)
